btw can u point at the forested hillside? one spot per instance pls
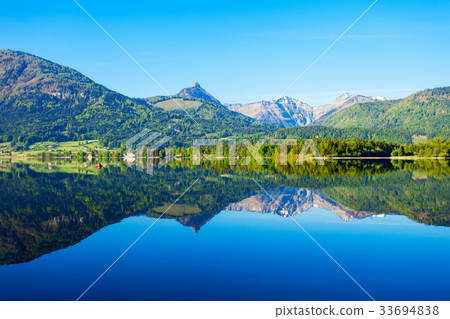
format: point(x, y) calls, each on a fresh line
point(397, 136)
point(44, 101)
point(425, 112)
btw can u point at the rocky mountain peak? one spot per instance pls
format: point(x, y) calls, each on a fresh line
point(288, 112)
point(285, 111)
point(293, 201)
point(197, 92)
point(345, 96)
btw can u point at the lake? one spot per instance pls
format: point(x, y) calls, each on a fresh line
point(348, 230)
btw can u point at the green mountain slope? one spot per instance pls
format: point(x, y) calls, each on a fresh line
point(423, 112)
point(41, 101)
point(312, 131)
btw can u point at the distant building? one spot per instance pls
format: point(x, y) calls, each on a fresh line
point(130, 157)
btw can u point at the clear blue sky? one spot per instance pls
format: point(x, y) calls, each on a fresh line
point(241, 51)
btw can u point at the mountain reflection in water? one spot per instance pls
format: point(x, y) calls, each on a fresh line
point(47, 207)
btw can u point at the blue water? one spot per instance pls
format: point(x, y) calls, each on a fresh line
point(244, 256)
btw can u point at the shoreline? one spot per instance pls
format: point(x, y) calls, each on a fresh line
point(319, 157)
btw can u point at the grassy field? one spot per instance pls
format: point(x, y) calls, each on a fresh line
point(56, 148)
point(174, 104)
point(417, 139)
point(57, 166)
point(179, 209)
point(5, 145)
point(73, 146)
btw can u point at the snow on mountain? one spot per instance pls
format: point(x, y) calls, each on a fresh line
point(289, 112)
point(284, 112)
point(292, 201)
point(342, 102)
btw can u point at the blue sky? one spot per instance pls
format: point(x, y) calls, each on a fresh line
point(241, 51)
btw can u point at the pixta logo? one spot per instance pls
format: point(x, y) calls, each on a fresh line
point(141, 141)
point(308, 152)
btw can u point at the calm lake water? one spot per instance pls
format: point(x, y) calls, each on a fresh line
point(386, 223)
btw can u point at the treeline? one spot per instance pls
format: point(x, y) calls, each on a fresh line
point(437, 147)
point(320, 147)
point(326, 147)
point(334, 147)
point(316, 131)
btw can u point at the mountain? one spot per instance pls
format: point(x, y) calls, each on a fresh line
point(188, 98)
point(425, 111)
point(291, 201)
point(197, 92)
point(342, 102)
point(22, 73)
point(44, 101)
point(289, 112)
point(285, 112)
